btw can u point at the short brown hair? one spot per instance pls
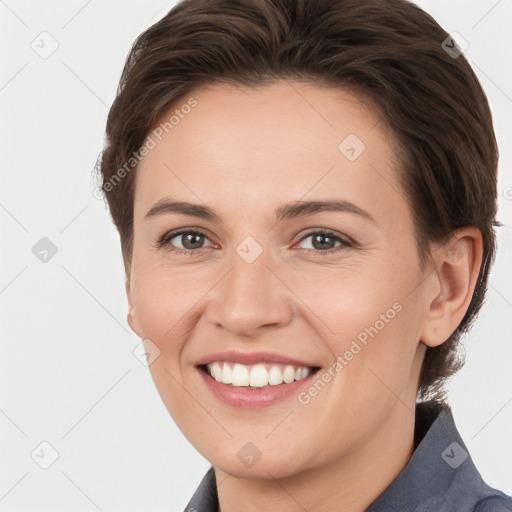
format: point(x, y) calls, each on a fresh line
point(390, 52)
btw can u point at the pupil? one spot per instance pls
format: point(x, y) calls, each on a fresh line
point(190, 237)
point(321, 245)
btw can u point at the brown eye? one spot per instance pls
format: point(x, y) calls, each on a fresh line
point(184, 240)
point(325, 241)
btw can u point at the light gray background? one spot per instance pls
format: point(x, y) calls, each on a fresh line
point(67, 372)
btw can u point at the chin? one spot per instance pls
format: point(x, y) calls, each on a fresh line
point(264, 469)
point(245, 460)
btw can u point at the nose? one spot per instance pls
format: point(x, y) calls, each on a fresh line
point(251, 298)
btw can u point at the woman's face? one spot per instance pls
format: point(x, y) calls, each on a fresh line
point(339, 289)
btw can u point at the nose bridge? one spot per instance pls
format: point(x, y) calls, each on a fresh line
point(251, 296)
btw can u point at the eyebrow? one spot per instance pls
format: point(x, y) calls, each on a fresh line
point(289, 211)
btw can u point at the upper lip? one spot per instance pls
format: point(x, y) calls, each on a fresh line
point(236, 356)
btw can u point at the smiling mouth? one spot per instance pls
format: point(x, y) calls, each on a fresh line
point(257, 376)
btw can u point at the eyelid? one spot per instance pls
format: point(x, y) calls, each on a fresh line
point(166, 237)
point(345, 241)
point(326, 231)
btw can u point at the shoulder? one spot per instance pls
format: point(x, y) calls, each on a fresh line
point(494, 503)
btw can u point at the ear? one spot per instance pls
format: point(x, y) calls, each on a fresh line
point(457, 265)
point(132, 317)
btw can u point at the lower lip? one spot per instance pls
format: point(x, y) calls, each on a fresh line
point(252, 398)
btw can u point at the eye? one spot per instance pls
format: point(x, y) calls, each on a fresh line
point(190, 241)
point(323, 241)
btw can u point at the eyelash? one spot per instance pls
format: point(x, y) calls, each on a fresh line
point(345, 242)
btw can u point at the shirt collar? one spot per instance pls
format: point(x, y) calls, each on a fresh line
point(440, 462)
point(440, 459)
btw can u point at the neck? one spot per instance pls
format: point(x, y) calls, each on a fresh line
point(349, 483)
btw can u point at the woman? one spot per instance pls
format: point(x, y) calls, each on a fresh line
point(305, 192)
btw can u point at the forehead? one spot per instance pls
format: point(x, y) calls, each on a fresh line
point(268, 145)
point(296, 111)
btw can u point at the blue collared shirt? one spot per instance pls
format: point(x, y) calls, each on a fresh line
point(439, 477)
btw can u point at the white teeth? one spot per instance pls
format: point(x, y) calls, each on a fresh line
point(256, 376)
point(216, 371)
point(289, 374)
point(240, 375)
point(227, 374)
point(275, 376)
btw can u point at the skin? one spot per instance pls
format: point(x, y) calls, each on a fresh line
point(244, 154)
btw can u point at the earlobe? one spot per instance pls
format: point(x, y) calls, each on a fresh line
point(131, 316)
point(457, 265)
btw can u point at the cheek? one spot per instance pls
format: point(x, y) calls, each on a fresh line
point(383, 367)
point(164, 302)
point(345, 302)
point(367, 315)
